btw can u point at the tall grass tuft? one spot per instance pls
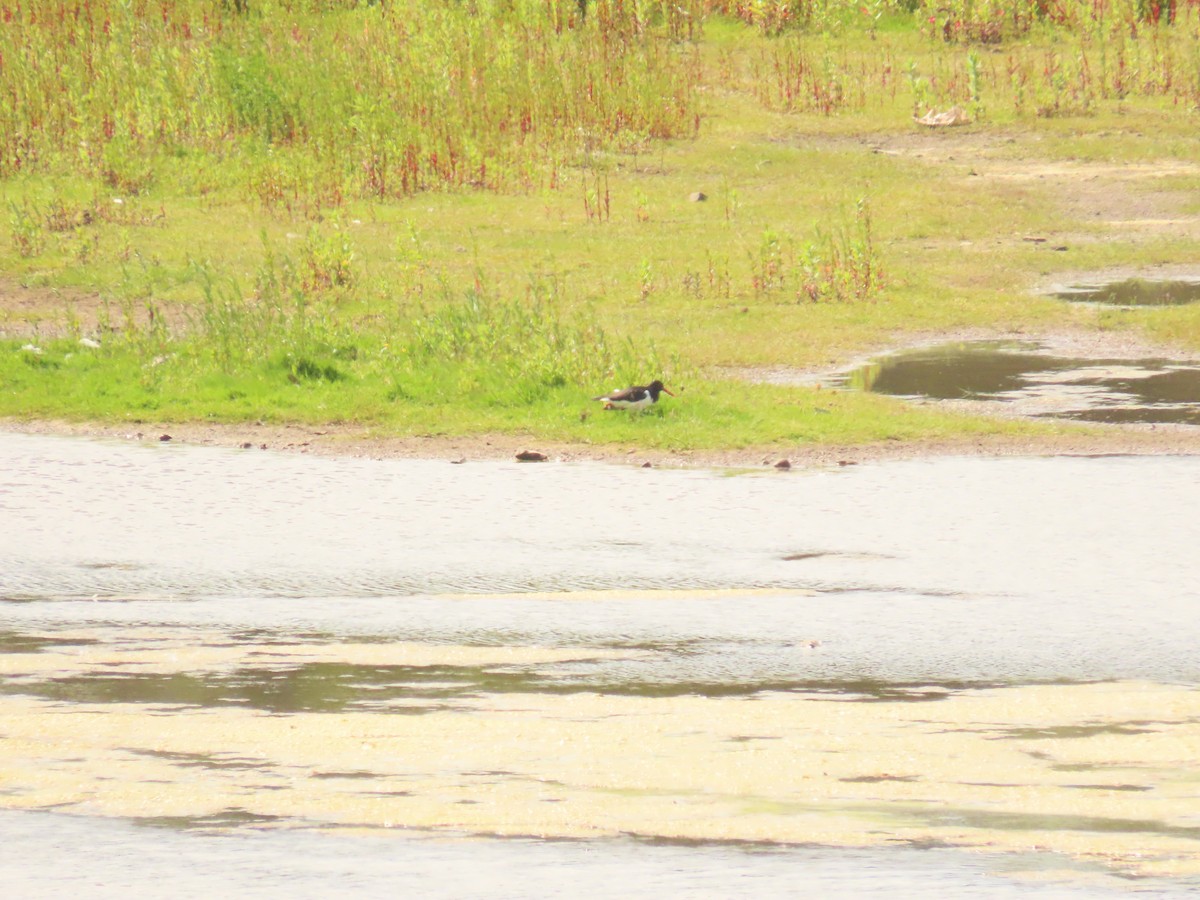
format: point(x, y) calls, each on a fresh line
point(362, 99)
point(836, 265)
point(1043, 59)
point(516, 350)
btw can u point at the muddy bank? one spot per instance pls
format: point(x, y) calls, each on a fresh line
point(355, 441)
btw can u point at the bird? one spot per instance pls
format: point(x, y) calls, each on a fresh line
point(637, 397)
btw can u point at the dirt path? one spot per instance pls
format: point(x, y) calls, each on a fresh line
point(1128, 202)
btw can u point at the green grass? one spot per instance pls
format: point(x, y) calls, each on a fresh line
point(66, 381)
point(477, 217)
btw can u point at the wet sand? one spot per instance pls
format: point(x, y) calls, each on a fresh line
point(359, 442)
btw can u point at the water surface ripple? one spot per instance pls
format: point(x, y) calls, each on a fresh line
point(498, 608)
point(968, 570)
point(53, 855)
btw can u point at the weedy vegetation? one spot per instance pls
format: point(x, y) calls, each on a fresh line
point(465, 216)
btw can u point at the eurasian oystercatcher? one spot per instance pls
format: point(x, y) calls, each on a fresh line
point(637, 397)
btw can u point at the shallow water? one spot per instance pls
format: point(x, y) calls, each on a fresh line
point(952, 570)
point(49, 856)
point(1133, 292)
point(1029, 380)
point(175, 591)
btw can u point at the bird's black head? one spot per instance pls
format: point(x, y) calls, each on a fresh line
point(656, 387)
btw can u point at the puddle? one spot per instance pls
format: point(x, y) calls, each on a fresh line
point(1031, 381)
point(1133, 292)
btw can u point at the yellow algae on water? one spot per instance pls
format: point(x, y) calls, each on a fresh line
point(1104, 772)
point(191, 650)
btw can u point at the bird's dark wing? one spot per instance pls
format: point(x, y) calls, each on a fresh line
point(629, 395)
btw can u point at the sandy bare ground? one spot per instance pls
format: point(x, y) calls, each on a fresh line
point(1098, 200)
